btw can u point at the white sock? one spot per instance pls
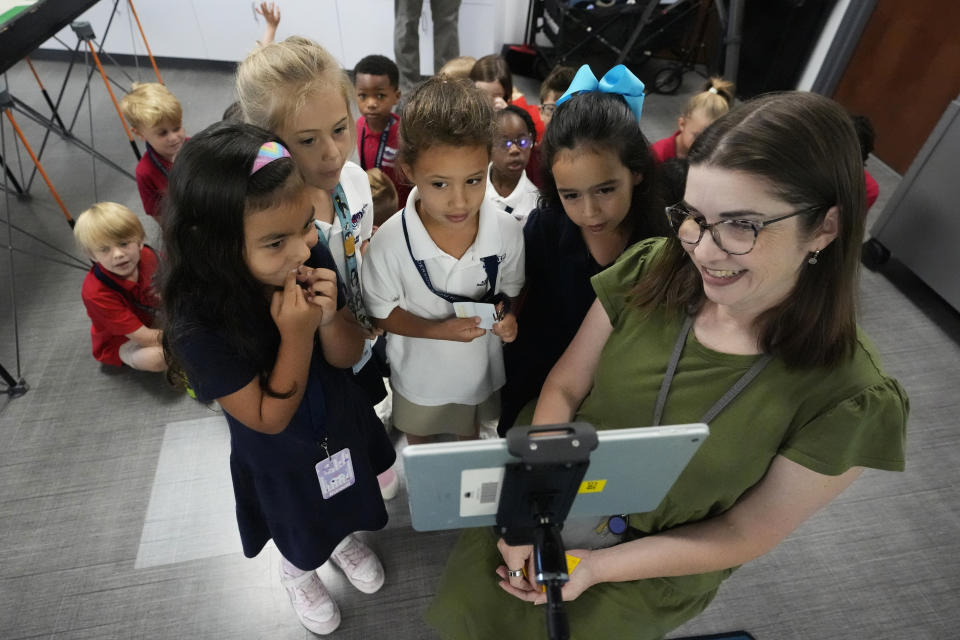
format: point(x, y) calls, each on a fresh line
point(289, 569)
point(343, 543)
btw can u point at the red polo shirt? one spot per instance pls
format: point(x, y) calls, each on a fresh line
point(152, 181)
point(112, 314)
point(665, 149)
point(368, 143)
point(873, 189)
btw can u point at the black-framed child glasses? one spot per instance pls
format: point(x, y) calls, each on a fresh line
point(522, 142)
point(736, 237)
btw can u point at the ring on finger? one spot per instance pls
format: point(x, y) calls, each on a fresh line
point(515, 573)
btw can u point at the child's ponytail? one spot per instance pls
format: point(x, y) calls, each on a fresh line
point(714, 100)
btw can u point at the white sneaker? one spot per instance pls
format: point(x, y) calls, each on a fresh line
point(312, 603)
point(360, 564)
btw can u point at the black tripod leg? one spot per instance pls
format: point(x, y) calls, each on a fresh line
point(11, 177)
point(14, 388)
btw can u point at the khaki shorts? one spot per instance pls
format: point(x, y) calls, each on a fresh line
point(459, 419)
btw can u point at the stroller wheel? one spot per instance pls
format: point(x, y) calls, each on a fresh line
point(668, 80)
point(541, 67)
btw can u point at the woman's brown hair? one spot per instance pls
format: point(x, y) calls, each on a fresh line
point(445, 111)
point(804, 147)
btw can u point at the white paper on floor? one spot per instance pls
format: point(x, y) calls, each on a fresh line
point(192, 513)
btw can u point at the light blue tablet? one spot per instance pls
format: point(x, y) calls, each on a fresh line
point(454, 485)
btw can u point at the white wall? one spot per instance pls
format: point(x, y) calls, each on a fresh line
point(226, 30)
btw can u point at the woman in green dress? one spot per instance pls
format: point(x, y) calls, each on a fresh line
point(755, 292)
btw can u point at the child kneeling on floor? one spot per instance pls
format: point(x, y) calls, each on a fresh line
point(118, 290)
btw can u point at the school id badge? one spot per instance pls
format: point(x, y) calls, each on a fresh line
point(335, 473)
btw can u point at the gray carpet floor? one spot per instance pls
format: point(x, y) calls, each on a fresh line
point(114, 522)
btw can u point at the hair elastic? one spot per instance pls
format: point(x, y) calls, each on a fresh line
point(713, 90)
point(268, 152)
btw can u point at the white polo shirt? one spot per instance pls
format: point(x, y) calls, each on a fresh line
point(521, 201)
point(434, 372)
point(356, 187)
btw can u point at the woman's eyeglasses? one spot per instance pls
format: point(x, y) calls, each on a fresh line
point(523, 142)
point(735, 237)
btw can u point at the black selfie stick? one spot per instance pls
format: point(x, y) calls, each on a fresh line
point(536, 497)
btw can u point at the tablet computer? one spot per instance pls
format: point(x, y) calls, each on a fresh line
point(454, 485)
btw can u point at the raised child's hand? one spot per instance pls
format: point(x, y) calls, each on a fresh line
point(320, 289)
point(270, 12)
point(462, 329)
point(292, 313)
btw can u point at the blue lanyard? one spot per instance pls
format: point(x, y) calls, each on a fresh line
point(352, 276)
point(491, 264)
point(155, 160)
point(378, 161)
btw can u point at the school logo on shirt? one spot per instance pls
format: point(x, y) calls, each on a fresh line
point(355, 218)
point(500, 259)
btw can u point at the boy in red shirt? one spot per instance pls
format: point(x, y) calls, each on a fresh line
point(376, 81)
point(118, 290)
point(156, 118)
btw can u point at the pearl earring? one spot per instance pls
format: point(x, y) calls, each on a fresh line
point(813, 258)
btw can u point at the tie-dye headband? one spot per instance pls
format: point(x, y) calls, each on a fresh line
point(268, 152)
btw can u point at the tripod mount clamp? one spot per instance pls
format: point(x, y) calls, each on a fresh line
point(536, 497)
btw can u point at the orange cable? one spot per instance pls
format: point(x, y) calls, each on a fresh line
point(30, 64)
point(145, 43)
point(36, 162)
point(116, 104)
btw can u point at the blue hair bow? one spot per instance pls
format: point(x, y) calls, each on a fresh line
point(618, 80)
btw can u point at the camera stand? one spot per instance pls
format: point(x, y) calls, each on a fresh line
point(536, 497)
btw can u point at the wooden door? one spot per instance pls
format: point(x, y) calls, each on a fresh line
point(903, 73)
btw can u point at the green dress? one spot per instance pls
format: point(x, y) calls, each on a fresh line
point(827, 420)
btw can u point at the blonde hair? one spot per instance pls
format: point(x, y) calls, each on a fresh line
point(275, 80)
point(385, 198)
point(148, 104)
point(458, 67)
point(106, 223)
point(715, 99)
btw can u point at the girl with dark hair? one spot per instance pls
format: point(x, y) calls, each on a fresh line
point(447, 247)
point(508, 187)
point(257, 321)
point(599, 198)
point(749, 308)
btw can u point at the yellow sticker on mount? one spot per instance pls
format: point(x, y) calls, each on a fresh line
point(592, 486)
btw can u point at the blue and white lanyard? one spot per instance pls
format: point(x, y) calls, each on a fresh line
point(352, 276)
point(491, 264)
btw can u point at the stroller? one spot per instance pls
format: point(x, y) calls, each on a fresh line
point(584, 32)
